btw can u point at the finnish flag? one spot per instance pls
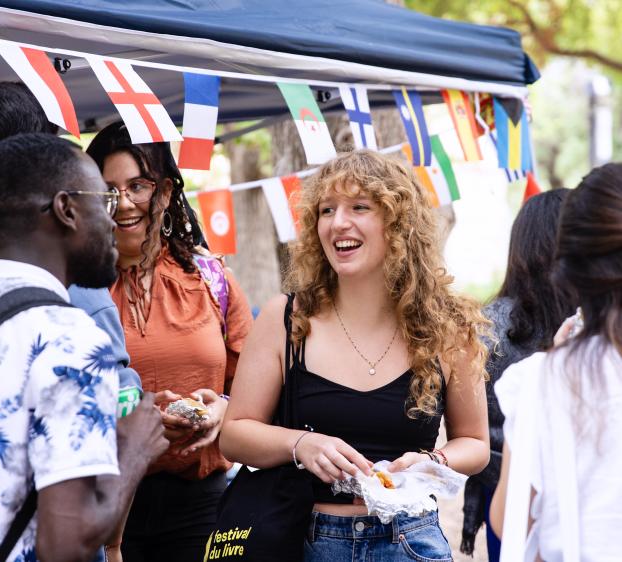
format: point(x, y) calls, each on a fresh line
point(355, 101)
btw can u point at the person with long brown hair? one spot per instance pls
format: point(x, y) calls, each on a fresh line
point(383, 349)
point(561, 498)
point(182, 340)
point(524, 320)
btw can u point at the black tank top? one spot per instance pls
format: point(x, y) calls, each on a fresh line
point(373, 422)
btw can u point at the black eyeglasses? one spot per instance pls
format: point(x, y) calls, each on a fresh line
point(110, 198)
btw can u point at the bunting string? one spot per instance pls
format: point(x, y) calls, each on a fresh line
point(503, 122)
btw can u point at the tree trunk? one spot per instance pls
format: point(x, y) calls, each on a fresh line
point(255, 265)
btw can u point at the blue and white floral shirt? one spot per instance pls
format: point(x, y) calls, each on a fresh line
point(58, 399)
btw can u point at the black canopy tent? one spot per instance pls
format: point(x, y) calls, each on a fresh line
point(355, 41)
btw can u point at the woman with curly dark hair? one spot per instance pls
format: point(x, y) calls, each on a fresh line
point(174, 328)
point(382, 349)
point(525, 314)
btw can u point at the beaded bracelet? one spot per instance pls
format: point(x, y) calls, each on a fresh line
point(432, 454)
point(442, 455)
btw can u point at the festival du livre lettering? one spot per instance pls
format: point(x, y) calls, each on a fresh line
point(219, 543)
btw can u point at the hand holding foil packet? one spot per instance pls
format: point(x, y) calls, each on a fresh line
point(190, 409)
point(388, 493)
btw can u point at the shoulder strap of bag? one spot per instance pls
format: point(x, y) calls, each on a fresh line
point(212, 271)
point(287, 410)
point(13, 303)
point(21, 299)
point(20, 522)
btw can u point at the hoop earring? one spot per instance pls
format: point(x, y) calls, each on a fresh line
point(167, 224)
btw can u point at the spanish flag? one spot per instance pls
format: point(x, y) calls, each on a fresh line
point(513, 147)
point(461, 113)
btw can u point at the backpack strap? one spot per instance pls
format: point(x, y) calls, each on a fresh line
point(21, 299)
point(19, 524)
point(212, 271)
point(13, 303)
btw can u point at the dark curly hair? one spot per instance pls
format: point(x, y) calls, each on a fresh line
point(536, 310)
point(157, 164)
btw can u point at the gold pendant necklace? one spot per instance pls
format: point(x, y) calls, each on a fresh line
point(372, 365)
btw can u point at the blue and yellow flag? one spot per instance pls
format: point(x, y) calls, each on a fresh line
point(411, 112)
point(513, 146)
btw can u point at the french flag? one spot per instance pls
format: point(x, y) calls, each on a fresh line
point(200, 116)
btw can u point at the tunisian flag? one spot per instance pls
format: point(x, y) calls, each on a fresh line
point(218, 220)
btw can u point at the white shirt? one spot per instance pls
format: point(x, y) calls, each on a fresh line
point(592, 430)
point(58, 397)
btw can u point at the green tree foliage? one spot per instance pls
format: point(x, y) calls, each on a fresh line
point(565, 38)
point(584, 29)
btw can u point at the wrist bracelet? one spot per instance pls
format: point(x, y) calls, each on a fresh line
point(299, 465)
point(433, 457)
point(224, 397)
point(442, 455)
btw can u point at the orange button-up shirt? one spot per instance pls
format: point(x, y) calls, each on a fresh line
point(181, 347)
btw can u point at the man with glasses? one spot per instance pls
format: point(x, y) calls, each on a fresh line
point(20, 112)
point(59, 388)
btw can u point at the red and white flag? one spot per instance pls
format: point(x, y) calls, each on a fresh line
point(142, 112)
point(36, 71)
point(218, 220)
point(282, 196)
point(532, 188)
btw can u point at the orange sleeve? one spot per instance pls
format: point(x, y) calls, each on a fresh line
point(239, 322)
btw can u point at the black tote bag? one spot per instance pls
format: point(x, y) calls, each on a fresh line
point(264, 514)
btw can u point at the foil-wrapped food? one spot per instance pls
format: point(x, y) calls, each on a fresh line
point(410, 491)
point(188, 408)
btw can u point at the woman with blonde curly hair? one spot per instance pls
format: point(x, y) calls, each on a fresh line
point(381, 350)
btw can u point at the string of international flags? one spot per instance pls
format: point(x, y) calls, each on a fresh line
point(502, 119)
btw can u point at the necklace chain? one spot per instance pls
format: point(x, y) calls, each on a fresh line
point(372, 365)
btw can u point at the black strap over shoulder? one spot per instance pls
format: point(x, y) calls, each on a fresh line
point(13, 303)
point(287, 411)
point(289, 346)
point(21, 299)
point(19, 524)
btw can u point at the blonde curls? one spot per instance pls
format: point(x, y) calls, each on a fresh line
point(434, 322)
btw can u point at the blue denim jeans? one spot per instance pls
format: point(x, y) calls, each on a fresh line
point(365, 538)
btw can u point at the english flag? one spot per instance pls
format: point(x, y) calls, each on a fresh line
point(218, 220)
point(36, 71)
point(200, 116)
point(143, 114)
point(281, 194)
